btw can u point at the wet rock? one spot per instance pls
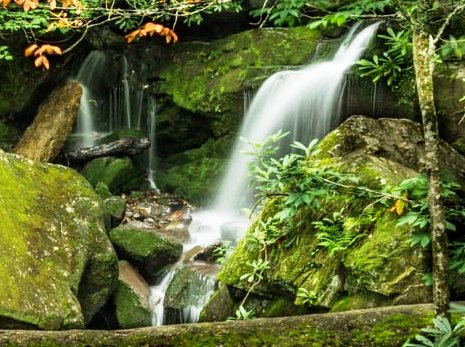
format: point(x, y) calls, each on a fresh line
point(219, 308)
point(57, 265)
point(131, 298)
point(210, 253)
point(187, 293)
point(145, 249)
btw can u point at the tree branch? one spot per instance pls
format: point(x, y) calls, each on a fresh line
point(444, 25)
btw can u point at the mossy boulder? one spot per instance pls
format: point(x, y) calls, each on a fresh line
point(144, 248)
point(208, 78)
point(114, 172)
point(381, 265)
point(132, 298)
point(195, 174)
point(57, 265)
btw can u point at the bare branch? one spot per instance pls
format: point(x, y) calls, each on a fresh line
point(444, 25)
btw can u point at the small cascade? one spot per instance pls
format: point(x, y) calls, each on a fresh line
point(86, 127)
point(157, 298)
point(305, 102)
point(202, 281)
point(114, 98)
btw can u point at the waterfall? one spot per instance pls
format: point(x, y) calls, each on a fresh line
point(85, 131)
point(113, 99)
point(305, 102)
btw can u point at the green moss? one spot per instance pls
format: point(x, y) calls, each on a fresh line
point(51, 233)
point(130, 312)
point(149, 252)
point(385, 262)
point(208, 79)
point(114, 172)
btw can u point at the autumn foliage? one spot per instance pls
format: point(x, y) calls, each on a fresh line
point(40, 53)
point(151, 29)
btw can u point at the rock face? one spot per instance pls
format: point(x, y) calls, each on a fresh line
point(382, 267)
point(45, 137)
point(131, 298)
point(57, 266)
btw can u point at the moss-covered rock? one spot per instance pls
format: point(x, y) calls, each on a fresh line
point(195, 174)
point(131, 298)
point(114, 208)
point(114, 172)
point(145, 249)
point(219, 307)
point(57, 266)
point(208, 78)
point(381, 265)
point(187, 288)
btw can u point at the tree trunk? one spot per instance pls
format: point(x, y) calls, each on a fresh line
point(423, 57)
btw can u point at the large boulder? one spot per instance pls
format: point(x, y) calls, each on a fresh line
point(381, 267)
point(47, 134)
point(57, 265)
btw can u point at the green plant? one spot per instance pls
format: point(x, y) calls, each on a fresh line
point(242, 314)
point(308, 297)
point(414, 211)
point(454, 47)
point(222, 252)
point(333, 235)
point(5, 53)
point(394, 61)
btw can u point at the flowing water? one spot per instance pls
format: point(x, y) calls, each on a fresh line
point(305, 102)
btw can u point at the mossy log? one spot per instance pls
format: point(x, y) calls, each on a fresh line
point(387, 326)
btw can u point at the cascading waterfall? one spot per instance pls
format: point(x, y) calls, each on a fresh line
point(306, 102)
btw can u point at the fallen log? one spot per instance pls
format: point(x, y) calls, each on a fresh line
point(126, 146)
point(386, 326)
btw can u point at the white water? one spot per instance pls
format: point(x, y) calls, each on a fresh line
point(85, 124)
point(306, 102)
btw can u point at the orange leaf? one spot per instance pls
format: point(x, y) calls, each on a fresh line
point(50, 49)
point(52, 4)
point(400, 205)
point(131, 36)
point(5, 3)
point(42, 61)
point(174, 36)
point(29, 50)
